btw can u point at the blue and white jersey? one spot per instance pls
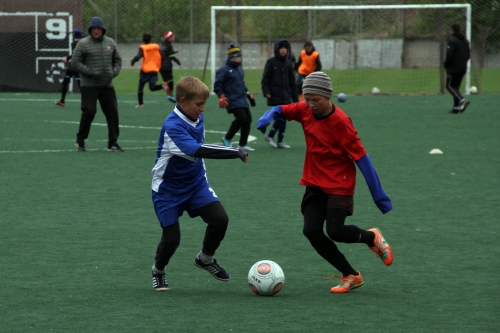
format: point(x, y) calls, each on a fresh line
point(176, 171)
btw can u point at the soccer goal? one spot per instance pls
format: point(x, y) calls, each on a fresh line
point(400, 49)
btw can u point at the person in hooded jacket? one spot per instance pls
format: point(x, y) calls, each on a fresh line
point(98, 60)
point(455, 64)
point(279, 87)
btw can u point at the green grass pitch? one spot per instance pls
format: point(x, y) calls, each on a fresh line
point(78, 231)
point(350, 82)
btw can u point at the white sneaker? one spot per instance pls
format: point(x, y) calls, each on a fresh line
point(247, 148)
point(271, 142)
point(283, 145)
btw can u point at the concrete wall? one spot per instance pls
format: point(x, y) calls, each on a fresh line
point(422, 54)
point(335, 54)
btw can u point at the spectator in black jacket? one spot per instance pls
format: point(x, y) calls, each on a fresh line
point(455, 64)
point(77, 35)
point(279, 87)
point(167, 55)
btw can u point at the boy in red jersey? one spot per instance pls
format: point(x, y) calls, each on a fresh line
point(329, 175)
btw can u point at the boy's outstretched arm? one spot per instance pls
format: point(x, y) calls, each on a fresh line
point(221, 152)
point(269, 117)
point(379, 196)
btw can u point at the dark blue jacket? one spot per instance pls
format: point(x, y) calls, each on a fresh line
point(230, 82)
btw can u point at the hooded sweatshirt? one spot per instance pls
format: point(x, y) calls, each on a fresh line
point(457, 54)
point(278, 79)
point(97, 59)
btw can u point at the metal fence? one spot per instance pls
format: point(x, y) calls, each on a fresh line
point(42, 29)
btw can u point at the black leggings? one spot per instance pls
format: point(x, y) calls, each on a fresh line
point(315, 214)
point(243, 120)
point(213, 214)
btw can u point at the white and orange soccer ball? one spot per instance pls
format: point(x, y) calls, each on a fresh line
point(266, 278)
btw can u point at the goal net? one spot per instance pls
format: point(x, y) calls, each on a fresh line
point(400, 49)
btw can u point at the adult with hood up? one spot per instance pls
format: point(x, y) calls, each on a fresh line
point(98, 60)
point(455, 64)
point(279, 87)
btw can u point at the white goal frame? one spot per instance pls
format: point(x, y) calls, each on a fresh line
point(214, 10)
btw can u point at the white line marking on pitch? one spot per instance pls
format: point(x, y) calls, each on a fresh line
point(251, 138)
point(67, 100)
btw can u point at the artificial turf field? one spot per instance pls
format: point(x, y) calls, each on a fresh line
point(78, 230)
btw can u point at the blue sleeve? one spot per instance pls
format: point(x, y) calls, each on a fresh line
point(269, 117)
point(379, 196)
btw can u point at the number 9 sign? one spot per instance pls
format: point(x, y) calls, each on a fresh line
point(56, 28)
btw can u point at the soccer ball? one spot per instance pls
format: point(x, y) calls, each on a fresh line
point(341, 97)
point(266, 278)
point(375, 91)
point(473, 90)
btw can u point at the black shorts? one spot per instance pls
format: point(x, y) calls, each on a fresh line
point(331, 201)
point(167, 75)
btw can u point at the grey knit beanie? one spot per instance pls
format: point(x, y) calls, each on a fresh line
point(318, 83)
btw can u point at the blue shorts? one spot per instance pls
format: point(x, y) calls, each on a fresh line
point(168, 208)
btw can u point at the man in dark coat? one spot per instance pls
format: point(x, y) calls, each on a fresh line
point(455, 64)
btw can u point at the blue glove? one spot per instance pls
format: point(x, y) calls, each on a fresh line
point(268, 117)
point(379, 196)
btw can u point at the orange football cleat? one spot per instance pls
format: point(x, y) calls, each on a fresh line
point(381, 248)
point(348, 283)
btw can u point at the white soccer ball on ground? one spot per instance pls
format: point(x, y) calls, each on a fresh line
point(375, 91)
point(341, 97)
point(473, 90)
point(266, 278)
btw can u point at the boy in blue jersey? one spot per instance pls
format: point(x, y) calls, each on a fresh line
point(180, 181)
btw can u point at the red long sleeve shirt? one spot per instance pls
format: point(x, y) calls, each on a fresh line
point(332, 147)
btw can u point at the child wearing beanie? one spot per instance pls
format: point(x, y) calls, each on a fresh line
point(166, 70)
point(233, 94)
point(333, 149)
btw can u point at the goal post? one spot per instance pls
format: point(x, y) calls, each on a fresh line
point(398, 48)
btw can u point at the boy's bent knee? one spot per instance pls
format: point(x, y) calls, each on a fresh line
point(214, 214)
